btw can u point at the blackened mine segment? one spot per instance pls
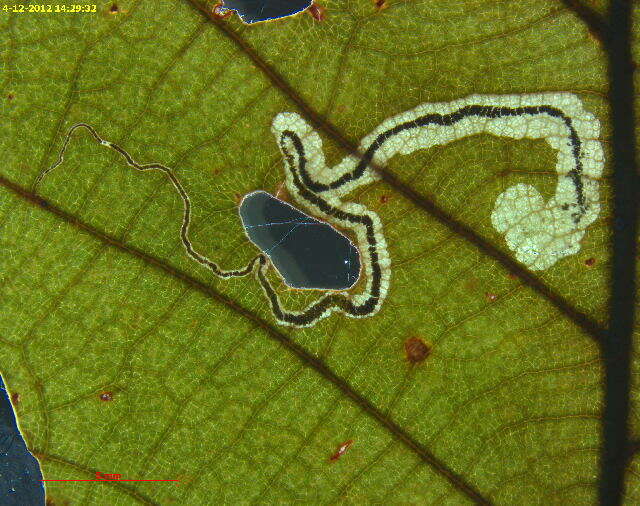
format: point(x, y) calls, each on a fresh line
point(485, 111)
point(332, 301)
point(307, 317)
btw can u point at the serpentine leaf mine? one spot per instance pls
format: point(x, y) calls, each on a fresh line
point(538, 232)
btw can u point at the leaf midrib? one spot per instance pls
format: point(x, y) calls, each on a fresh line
point(306, 358)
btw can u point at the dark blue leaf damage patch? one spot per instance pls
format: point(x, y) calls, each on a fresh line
point(255, 11)
point(20, 476)
point(307, 252)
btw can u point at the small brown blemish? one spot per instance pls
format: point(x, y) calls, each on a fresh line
point(238, 198)
point(114, 9)
point(15, 398)
point(491, 297)
point(384, 199)
point(106, 396)
point(10, 96)
point(317, 11)
point(416, 350)
point(590, 262)
point(220, 12)
point(342, 449)
point(380, 4)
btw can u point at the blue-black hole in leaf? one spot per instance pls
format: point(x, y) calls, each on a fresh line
point(254, 11)
point(307, 252)
point(20, 475)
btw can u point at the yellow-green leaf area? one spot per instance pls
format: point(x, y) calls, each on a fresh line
point(98, 294)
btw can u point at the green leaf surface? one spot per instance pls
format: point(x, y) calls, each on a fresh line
point(99, 296)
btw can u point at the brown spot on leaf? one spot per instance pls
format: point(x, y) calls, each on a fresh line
point(220, 12)
point(106, 396)
point(380, 4)
point(416, 350)
point(491, 297)
point(10, 96)
point(114, 9)
point(15, 398)
point(590, 262)
point(317, 11)
point(237, 197)
point(384, 199)
point(342, 449)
